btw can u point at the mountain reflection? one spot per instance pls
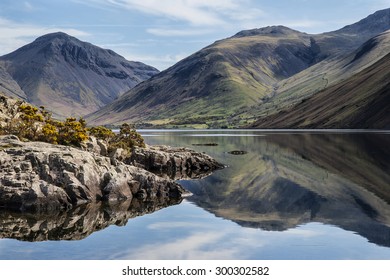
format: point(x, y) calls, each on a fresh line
point(286, 180)
point(77, 223)
point(283, 181)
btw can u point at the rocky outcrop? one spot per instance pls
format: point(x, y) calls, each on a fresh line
point(94, 145)
point(174, 163)
point(43, 177)
point(164, 161)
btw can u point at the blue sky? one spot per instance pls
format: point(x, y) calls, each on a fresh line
point(161, 32)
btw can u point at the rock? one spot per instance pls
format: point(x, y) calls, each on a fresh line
point(96, 146)
point(118, 154)
point(238, 153)
point(8, 109)
point(205, 144)
point(42, 177)
point(175, 163)
point(78, 222)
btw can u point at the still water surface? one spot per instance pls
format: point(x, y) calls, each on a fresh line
point(291, 195)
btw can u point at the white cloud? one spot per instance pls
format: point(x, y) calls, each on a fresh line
point(161, 62)
point(120, 45)
point(178, 32)
point(186, 18)
point(193, 12)
point(303, 233)
point(173, 225)
point(14, 35)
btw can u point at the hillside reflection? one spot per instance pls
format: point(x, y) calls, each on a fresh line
point(286, 180)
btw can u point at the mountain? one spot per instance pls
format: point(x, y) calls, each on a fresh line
point(352, 36)
point(9, 86)
point(361, 101)
point(330, 93)
point(217, 80)
point(239, 79)
point(68, 76)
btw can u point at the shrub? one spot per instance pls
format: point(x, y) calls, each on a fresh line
point(30, 119)
point(72, 132)
point(49, 133)
point(128, 138)
point(34, 124)
point(31, 123)
point(101, 132)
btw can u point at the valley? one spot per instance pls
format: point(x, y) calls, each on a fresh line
point(270, 77)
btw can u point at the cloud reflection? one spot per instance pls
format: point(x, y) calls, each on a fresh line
point(198, 246)
point(173, 225)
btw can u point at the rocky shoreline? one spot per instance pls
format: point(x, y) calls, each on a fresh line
point(41, 177)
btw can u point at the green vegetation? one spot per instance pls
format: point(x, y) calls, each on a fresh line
point(101, 132)
point(127, 138)
point(30, 123)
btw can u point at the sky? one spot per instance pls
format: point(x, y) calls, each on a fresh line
point(162, 32)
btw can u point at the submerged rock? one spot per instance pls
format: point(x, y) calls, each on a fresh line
point(44, 177)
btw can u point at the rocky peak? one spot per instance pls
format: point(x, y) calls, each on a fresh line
point(56, 35)
point(278, 30)
point(63, 48)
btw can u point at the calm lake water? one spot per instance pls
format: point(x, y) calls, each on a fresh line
point(283, 195)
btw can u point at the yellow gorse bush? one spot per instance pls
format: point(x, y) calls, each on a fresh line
point(35, 124)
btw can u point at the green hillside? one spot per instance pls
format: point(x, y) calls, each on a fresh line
point(361, 101)
point(252, 75)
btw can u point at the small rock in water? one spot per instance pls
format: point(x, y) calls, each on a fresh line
point(237, 153)
point(205, 144)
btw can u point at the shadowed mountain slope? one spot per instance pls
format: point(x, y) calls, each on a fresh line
point(9, 86)
point(361, 101)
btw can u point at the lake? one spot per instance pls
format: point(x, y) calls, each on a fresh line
point(283, 195)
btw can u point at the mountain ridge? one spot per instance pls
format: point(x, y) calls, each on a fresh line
point(71, 77)
point(226, 83)
point(358, 102)
point(217, 72)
